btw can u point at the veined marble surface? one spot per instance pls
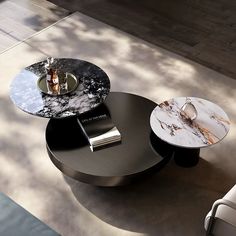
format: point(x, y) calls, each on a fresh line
point(210, 126)
point(94, 86)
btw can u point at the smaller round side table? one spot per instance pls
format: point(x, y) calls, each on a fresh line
point(188, 136)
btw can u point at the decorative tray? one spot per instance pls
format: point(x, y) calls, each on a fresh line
point(66, 83)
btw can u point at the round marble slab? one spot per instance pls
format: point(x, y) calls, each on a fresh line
point(93, 88)
point(210, 126)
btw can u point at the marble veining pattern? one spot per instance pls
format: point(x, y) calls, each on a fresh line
point(210, 126)
point(93, 88)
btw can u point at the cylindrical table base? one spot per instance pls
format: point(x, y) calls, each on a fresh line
point(186, 157)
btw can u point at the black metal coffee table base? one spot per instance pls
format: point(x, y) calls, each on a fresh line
point(186, 157)
point(139, 153)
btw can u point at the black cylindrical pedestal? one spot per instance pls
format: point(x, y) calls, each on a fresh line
point(186, 157)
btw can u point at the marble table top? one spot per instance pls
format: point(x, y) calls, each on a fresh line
point(210, 126)
point(93, 88)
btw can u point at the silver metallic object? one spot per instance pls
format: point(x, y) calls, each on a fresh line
point(188, 110)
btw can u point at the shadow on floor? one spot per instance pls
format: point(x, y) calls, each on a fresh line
point(157, 205)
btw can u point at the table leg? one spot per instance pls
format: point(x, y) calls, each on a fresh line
point(186, 157)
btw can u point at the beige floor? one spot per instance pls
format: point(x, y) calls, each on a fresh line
point(172, 202)
point(202, 30)
point(20, 19)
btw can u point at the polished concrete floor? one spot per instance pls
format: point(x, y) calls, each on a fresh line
point(175, 200)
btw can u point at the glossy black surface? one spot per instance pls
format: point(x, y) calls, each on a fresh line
point(93, 88)
point(140, 151)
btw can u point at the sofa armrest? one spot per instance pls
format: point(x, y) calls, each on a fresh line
point(213, 211)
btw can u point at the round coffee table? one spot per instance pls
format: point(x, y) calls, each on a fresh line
point(92, 89)
point(188, 136)
point(139, 153)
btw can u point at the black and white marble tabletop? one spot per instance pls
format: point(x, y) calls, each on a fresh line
point(211, 125)
point(93, 88)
